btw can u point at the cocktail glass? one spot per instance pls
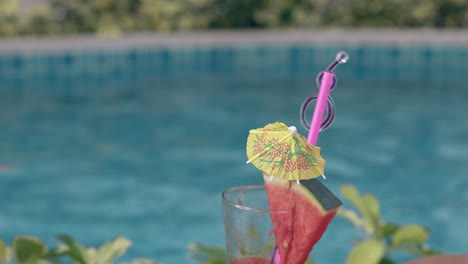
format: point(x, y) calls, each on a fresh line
point(248, 226)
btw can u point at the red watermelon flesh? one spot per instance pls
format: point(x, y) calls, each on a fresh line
point(310, 206)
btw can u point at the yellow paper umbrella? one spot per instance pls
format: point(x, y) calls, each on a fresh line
point(278, 150)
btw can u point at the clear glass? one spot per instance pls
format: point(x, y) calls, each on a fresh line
point(248, 226)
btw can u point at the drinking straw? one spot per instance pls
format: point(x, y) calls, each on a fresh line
point(320, 106)
point(325, 87)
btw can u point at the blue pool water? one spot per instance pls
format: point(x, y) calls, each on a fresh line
point(141, 143)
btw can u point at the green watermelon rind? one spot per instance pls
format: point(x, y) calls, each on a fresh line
point(320, 194)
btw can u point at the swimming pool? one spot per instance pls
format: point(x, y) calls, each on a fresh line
point(141, 142)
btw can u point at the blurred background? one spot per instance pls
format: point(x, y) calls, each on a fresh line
point(57, 17)
point(130, 117)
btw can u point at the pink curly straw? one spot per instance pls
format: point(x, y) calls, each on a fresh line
point(320, 106)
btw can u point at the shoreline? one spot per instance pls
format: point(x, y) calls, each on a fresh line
point(241, 38)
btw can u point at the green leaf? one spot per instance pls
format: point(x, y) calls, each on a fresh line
point(60, 251)
point(76, 252)
point(207, 254)
point(367, 206)
point(28, 249)
point(351, 216)
point(389, 229)
point(373, 209)
point(113, 249)
point(421, 251)
point(3, 253)
point(309, 261)
point(386, 261)
point(370, 251)
point(409, 234)
point(350, 193)
point(386, 230)
point(92, 256)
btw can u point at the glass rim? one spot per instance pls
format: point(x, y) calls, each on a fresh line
point(244, 207)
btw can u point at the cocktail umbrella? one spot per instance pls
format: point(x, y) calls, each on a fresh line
point(279, 151)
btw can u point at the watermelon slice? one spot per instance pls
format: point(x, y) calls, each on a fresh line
point(310, 206)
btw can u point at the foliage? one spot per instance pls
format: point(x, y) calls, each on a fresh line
point(381, 239)
point(236, 13)
point(206, 254)
point(111, 18)
point(101, 16)
point(299, 13)
point(161, 15)
point(8, 17)
point(31, 250)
